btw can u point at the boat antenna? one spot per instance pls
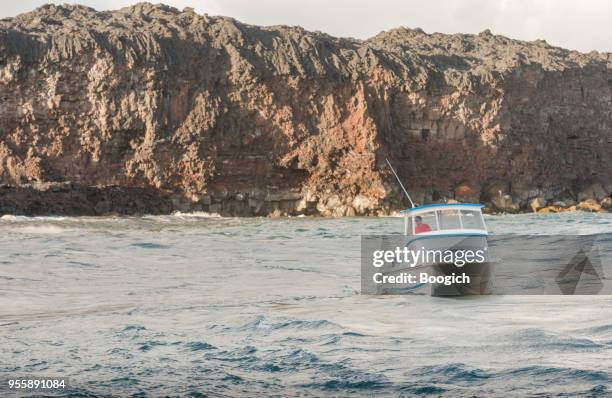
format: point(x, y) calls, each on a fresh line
point(400, 182)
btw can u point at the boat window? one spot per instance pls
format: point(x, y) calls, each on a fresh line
point(425, 222)
point(449, 219)
point(471, 219)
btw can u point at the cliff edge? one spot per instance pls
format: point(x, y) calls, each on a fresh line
point(149, 109)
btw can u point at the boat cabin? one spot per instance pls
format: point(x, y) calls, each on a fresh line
point(445, 219)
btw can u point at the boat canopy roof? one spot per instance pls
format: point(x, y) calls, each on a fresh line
point(445, 218)
point(442, 206)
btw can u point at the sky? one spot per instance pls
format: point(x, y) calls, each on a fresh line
point(578, 25)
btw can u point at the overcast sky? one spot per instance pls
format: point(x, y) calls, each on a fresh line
point(581, 25)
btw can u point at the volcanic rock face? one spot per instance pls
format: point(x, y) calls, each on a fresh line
point(152, 109)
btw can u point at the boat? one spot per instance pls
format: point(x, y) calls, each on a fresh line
point(448, 247)
point(455, 234)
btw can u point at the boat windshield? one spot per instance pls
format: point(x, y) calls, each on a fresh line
point(449, 219)
point(444, 220)
point(471, 219)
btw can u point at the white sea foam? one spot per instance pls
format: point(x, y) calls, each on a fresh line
point(196, 214)
point(13, 218)
point(44, 229)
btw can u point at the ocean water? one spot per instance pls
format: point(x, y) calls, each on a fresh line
point(191, 305)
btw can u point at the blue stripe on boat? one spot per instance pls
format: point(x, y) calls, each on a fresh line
point(438, 205)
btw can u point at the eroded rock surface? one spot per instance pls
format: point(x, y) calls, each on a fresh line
point(193, 112)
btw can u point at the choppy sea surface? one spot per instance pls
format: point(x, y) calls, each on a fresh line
point(191, 305)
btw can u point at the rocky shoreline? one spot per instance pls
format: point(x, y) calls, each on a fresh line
point(150, 109)
point(69, 199)
point(593, 199)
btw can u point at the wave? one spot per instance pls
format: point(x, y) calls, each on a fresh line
point(42, 230)
point(196, 214)
point(199, 346)
point(130, 328)
point(348, 385)
point(149, 245)
point(570, 223)
point(263, 323)
point(602, 329)
point(548, 374)
point(13, 218)
point(453, 372)
point(338, 376)
point(537, 338)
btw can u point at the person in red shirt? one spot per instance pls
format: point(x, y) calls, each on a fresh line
point(419, 226)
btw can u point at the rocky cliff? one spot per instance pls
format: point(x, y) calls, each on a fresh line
point(152, 109)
